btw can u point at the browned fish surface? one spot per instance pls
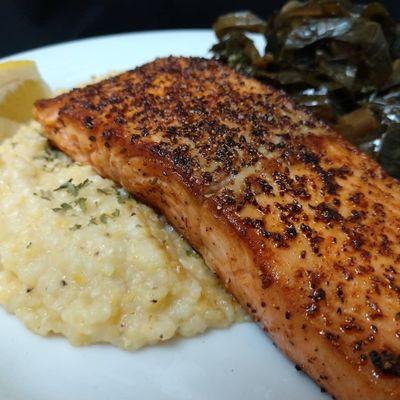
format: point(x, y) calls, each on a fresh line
point(301, 227)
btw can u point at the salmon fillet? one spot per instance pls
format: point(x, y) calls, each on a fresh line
point(302, 228)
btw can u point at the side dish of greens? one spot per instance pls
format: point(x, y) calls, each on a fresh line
point(337, 58)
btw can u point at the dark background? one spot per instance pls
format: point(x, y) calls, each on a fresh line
point(27, 24)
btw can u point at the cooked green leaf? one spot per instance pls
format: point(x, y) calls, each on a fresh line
point(63, 207)
point(389, 155)
point(71, 188)
point(335, 57)
point(81, 203)
point(242, 20)
point(105, 191)
point(103, 218)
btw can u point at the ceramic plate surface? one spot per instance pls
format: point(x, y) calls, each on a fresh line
point(240, 363)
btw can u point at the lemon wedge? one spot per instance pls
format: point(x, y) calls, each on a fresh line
point(20, 86)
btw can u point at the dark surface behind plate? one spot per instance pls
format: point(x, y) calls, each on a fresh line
point(28, 24)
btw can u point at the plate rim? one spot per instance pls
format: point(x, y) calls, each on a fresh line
point(95, 40)
point(110, 36)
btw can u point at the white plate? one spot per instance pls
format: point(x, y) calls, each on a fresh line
point(237, 363)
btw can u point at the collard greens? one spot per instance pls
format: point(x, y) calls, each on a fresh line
point(339, 59)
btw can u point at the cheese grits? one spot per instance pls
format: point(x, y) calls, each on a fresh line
point(80, 257)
